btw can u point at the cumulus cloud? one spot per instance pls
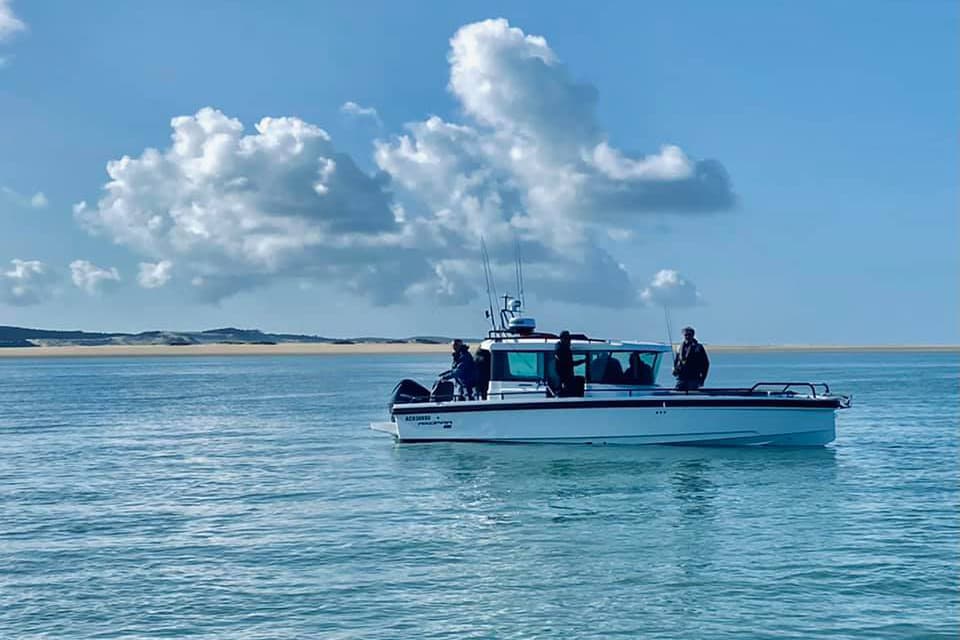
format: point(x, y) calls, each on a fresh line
point(36, 201)
point(670, 289)
point(10, 24)
point(534, 163)
point(540, 125)
point(154, 274)
point(353, 109)
point(27, 282)
point(237, 207)
point(91, 278)
point(530, 164)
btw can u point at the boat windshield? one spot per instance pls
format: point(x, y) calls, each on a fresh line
point(598, 367)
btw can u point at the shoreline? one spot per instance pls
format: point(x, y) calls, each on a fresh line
point(328, 349)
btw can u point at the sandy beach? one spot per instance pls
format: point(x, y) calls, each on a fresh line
point(318, 349)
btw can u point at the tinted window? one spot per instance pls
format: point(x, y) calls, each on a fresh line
point(598, 367)
point(641, 368)
point(621, 367)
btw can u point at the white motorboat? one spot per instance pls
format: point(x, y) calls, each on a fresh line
point(617, 402)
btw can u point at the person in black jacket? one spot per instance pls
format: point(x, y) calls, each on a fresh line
point(690, 364)
point(482, 360)
point(463, 371)
point(564, 364)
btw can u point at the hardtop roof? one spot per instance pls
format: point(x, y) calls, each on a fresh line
point(520, 343)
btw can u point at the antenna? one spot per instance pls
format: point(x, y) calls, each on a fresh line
point(523, 300)
point(488, 277)
point(516, 266)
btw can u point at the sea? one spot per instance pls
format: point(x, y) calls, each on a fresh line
point(246, 497)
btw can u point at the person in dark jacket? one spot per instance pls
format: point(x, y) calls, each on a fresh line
point(482, 360)
point(639, 372)
point(564, 364)
point(464, 369)
point(690, 364)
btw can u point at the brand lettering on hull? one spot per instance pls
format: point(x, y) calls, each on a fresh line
point(431, 422)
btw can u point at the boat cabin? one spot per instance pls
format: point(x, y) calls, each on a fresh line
point(525, 364)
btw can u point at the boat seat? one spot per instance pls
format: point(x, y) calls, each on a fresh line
point(442, 391)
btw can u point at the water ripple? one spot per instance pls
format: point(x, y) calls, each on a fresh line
point(245, 498)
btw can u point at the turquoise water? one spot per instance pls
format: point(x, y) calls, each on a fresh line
point(245, 497)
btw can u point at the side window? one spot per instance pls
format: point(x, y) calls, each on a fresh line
point(642, 368)
point(518, 365)
point(524, 364)
point(622, 367)
point(606, 367)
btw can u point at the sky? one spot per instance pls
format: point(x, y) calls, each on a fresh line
point(769, 172)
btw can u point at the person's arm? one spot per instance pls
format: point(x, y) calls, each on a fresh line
point(706, 365)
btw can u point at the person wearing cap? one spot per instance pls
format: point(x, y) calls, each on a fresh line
point(464, 369)
point(690, 363)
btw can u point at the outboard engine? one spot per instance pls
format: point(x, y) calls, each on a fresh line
point(409, 391)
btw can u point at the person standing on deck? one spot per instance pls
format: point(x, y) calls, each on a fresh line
point(464, 370)
point(564, 364)
point(482, 362)
point(690, 364)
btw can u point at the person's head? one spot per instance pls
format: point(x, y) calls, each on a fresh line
point(634, 359)
point(688, 333)
point(565, 337)
point(456, 345)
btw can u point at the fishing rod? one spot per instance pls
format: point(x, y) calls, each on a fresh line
point(488, 278)
point(666, 316)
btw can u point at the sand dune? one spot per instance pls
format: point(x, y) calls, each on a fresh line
point(380, 349)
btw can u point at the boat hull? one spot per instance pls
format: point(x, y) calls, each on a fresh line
point(787, 424)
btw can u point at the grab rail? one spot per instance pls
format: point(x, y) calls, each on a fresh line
point(784, 386)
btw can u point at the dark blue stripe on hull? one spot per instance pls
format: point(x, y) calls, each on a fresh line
point(732, 403)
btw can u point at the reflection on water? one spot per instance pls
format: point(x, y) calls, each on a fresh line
point(693, 488)
point(612, 483)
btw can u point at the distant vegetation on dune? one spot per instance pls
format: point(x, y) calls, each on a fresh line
point(25, 337)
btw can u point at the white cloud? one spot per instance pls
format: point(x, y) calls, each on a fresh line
point(670, 289)
point(154, 274)
point(9, 23)
point(670, 164)
point(91, 278)
point(535, 164)
point(237, 208)
point(36, 201)
point(531, 164)
point(539, 146)
point(353, 109)
point(27, 282)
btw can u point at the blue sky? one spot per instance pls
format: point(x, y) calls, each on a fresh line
point(774, 172)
